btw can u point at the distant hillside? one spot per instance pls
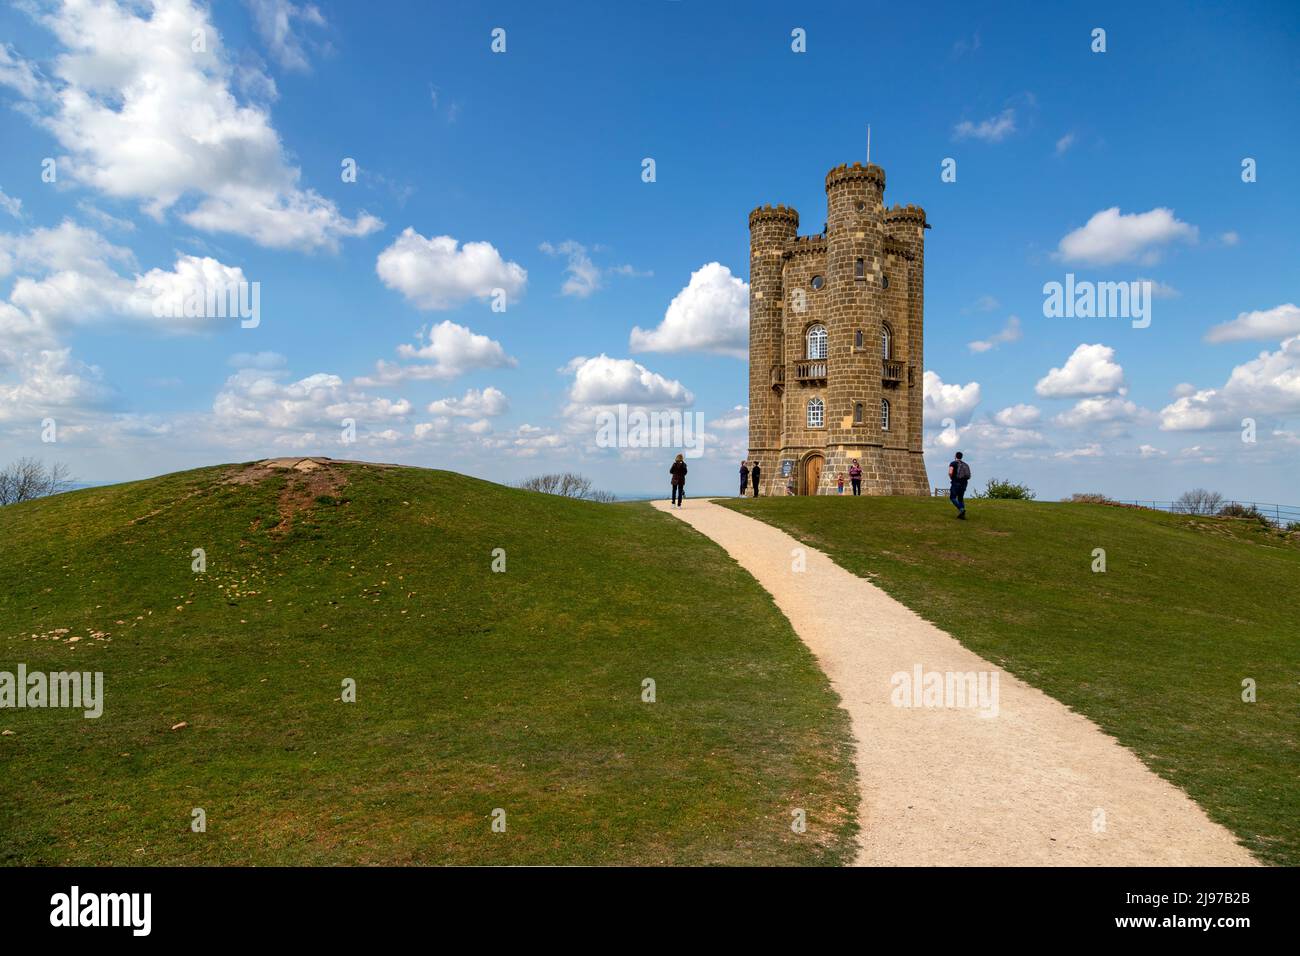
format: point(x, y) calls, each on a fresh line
point(475, 691)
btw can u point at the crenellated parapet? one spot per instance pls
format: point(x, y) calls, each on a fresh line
point(908, 213)
point(856, 172)
point(778, 213)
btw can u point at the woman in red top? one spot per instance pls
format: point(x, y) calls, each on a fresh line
point(855, 476)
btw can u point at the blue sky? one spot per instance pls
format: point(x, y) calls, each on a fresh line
point(522, 171)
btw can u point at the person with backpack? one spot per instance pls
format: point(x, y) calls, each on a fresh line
point(855, 477)
point(678, 472)
point(744, 478)
point(958, 476)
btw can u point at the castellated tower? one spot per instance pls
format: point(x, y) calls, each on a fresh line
point(835, 341)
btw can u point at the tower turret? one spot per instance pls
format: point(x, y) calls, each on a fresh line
point(770, 228)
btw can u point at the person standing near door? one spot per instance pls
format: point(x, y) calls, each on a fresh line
point(753, 476)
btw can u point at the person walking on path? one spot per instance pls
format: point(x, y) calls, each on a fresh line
point(958, 475)
point(744, 478)
point(753, 476)
point(855, 477)
point(678, 471)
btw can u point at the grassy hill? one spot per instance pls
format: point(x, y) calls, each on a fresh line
point(475, 690)
point(1154, 650)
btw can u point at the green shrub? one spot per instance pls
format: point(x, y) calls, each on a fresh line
point(1090, 498)
point(1249, 512)
point(997, 488)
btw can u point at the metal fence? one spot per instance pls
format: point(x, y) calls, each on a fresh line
point(1280, 515)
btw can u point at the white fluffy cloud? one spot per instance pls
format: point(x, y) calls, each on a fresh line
point(1010, 333)
point(144, 116)
point(255, 398)
point(1276, 323)
point(440, 273)
point(710, 315)
point(1111, 236)
point(737, 419)
point(1090, 370)
point(1268, 385)
point(445, 351)
point(1017, 416)
point(991, 130)
point(50, 381)
point(487, 403)
point(602, 381)
point(1099, 410)
point(949, 401)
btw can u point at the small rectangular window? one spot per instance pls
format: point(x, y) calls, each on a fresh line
point(860, 269)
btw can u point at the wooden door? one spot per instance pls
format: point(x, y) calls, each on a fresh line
point(812, 474)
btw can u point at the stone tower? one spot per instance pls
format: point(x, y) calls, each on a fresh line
point(836, 326)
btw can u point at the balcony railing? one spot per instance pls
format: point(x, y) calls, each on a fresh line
point(892, 373)
point(814, 371)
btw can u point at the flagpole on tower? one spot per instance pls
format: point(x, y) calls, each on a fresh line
point(868, 144)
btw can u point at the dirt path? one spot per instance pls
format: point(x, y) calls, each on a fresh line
point(1036, 784)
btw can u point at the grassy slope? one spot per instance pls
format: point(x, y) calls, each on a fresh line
point(475, 690)
point(1154, 650)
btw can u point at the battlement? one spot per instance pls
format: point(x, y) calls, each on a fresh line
point(805, 245)
point(896, 247)
point(848, 173)
point(908, 213)
point(777, 213)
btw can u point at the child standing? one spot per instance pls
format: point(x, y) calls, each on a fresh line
point(839, 483)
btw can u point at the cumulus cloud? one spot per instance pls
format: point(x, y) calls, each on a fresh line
point(1265, 386)
point(144, 117)
point(440, 273)
point(1010, 333)
point(1090, 412)
point(259, 399)
point(1093, 450)
point(443, 351)
point(737, 419)
point(50, 381)
point(1111, 236)
point(487, 403)
point(1017, 416)
point(1090, 370)
point(991, 130)
point(1276, 323)
point(604, 381)
point(949, 401)
point(711, 314)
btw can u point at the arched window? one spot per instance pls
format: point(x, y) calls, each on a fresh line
point(817, 342)
point(884, 414)
point(886, 342)
point(816, 413)
point(857, 413)
point(858, 339)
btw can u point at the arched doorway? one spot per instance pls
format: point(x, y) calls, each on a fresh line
point(812, 474)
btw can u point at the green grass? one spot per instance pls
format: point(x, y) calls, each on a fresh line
point(475, 690)
point(1154, 650)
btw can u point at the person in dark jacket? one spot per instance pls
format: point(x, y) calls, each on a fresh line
point(678, 472)
point(855, 477)
point(958, 476)
point(744, 478)
point(753, 476)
